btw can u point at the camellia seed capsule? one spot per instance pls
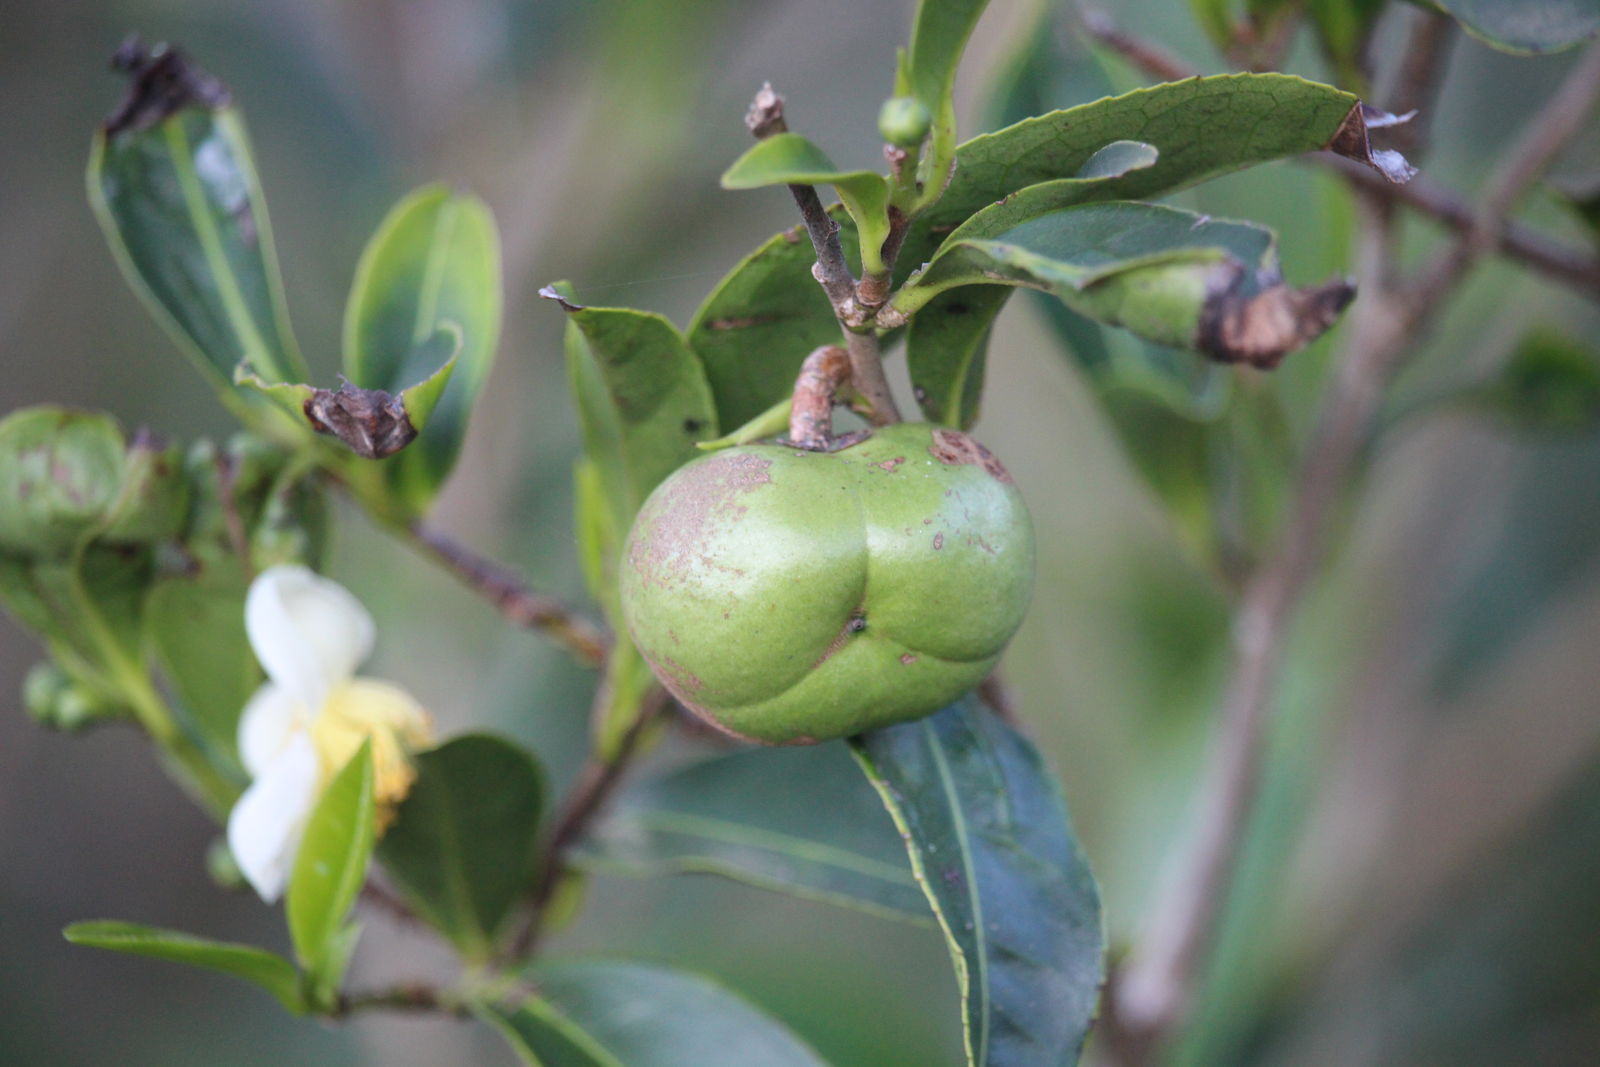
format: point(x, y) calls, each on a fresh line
point(790, 597)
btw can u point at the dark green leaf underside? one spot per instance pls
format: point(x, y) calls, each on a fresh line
point(989, 836)
point(753, 816)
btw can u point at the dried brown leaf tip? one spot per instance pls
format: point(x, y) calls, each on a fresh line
point(373, 423)
point(1352, 141)
point(765, 117)
point(550, 292)
point(1261, 329)
point(163, 81)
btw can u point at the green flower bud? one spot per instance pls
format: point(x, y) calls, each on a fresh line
point(54, 699)
point(790, 597)
point(60, 473)
point(222, 867)
point(904, 121)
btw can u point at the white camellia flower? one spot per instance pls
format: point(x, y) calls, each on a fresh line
point(310, 718)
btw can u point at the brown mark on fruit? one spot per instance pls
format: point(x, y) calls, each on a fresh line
point(952, 448)
point(682, 519)
point(907, 658)
point(938, 541)
point(890, 464)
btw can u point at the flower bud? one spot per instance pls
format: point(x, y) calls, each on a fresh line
point(904, 121)
point(60, 473)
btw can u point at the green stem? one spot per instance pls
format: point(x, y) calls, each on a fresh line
point(127, 677)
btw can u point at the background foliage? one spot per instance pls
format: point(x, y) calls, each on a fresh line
point(1421, 876)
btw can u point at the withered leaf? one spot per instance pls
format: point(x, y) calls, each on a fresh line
point(163, 82)
point(1352, 141)
point(1260, 330)
point(373, 423)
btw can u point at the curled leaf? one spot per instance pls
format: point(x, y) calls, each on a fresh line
point(1261, 329)
point(1351, 140)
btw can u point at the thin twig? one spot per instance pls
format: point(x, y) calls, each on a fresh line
point(1562, 116)
point(1154, 992)
point(1417, 82)
point(1572, 267)
point(763, 120)
point(506, 590)
point(409, 997)
point(1577, 268)
point(1149, 57)
point(597, 781)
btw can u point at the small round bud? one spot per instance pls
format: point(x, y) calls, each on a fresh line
point(904, 121)
point(55, 700)
point(222, 867)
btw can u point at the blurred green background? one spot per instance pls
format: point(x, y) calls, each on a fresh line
point(1423, 882)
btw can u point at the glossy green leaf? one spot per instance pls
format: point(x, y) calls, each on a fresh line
point(195, 626)
point(790, 159)
point(602, 1014)
point(753, 816)
point(762, 320)
point(331, 866)
point(269, 971)
point(1527, 25)
point(642, 395)
point(990, 841)
point(1201, 128)
point(177, 195)
point(426, 291)
point(461, 849)
point(938, 38)
point(946, 348)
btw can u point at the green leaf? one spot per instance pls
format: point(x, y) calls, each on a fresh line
point(945, 352)
point(195, 625)
point(1201, 128)
point(1527, 25)
point(461, 850)
point(753, 816)
point(1169, 276)
point(989, 838)
point(330, 868)
point(790, 159)
point(602, 1014)
point(426, 291)
point(762, 320)
point(173, 184)
point(266, 969)
point(938, 38)
point(642, 397)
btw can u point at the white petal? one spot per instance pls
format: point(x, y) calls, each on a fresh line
point(265, 726)
point(265, 826)
point(309, 633)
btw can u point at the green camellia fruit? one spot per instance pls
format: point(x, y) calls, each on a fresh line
point(790, 597)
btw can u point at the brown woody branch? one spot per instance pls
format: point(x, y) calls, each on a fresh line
point(1153, 992)
point(1576, 268)
point(519, 604)
point(765, 119)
